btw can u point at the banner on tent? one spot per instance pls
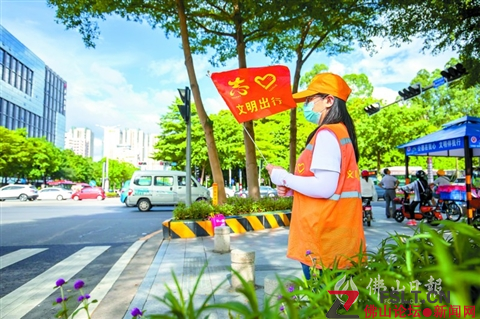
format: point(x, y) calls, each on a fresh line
point(445, 145)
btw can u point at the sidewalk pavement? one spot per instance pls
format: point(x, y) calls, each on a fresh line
point(187, 257)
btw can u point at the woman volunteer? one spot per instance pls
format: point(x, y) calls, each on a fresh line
point(327, 208)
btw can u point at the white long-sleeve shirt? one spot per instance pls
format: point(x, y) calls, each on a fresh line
point(368, 188)
point(326, 160)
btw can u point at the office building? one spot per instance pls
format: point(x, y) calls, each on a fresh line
point(80, 141)
point(32, 95)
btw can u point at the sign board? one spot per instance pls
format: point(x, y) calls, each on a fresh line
point(445, 145)
point(438, 82)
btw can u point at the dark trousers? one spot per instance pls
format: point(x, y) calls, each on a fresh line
point(306, 271)
point(412, 207)
point(389, 196)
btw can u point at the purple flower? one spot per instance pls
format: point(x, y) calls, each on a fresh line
point(60, 282)
point(87, 296)
point(136, 312)
point(291, 289)
point(80, 298)
point(78, 284)
point(280, 297)
point(59, 300)
point(282, 308)
point(309, 252)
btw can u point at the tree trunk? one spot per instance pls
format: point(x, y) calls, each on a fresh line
point(248, 138)
point(378, 162)
point(202, 115)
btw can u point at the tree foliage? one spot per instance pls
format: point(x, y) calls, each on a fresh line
point(36, 159)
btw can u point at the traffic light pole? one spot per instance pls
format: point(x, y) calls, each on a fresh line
point(188, 169)
point(186, 114)
point(449, 75)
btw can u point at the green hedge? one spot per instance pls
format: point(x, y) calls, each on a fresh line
point(233, 207)
point(111, 194)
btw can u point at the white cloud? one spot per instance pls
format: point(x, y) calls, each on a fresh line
point(386, 94)
point(337, 67)
point(214, 105)
point(174, 68)
point(398, 65)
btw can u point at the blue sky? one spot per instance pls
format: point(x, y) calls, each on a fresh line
point(132, 75)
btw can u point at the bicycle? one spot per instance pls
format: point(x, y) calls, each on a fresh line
point(450, 208)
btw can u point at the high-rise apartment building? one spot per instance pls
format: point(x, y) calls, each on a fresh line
point(32, 95)
point(80, 141)
point(128, 145)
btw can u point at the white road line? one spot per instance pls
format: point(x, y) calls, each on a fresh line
point(104, 286)
point(18, 255)
point(25, 298)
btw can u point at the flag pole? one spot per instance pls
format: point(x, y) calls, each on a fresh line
point(255, 144)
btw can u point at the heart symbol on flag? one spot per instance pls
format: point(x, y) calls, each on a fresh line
point(265, 81)
point(301, 167)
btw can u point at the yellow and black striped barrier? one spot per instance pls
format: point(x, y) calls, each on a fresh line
point(238, 224)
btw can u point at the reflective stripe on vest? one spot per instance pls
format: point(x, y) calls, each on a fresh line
point(343, 141)
point(351, 194)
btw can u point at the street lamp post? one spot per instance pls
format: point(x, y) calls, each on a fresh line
point(185, 112)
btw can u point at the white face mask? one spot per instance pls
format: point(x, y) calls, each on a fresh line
point(310, 115)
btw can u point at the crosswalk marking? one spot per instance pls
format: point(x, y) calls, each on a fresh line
point(110, 278)
point(19, 255)
point(22, 300)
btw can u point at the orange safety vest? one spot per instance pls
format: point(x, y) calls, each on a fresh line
point(331, 228)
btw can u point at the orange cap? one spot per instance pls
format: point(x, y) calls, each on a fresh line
point(327, 83)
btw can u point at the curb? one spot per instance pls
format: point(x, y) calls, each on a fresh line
point(173, 229)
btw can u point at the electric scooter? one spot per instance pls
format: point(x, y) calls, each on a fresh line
point(367, 212)
point(429, 213)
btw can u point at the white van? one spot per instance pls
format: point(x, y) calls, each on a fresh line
point(155, 188)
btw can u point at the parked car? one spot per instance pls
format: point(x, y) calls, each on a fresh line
point(57, 193)
point(124, 192)
point(228, 191)
point(265, 191)
point(21, 192)
point(155, 188)
point(89, 193)
point(380, 192)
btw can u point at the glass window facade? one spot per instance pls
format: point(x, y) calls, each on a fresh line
point(15, 73)
point(32, 95)
point(13, 116)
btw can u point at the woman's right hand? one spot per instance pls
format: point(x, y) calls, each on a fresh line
point(282, 191)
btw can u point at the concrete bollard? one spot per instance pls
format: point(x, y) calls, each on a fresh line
point(221, 239)
point(272, 287)
point(243, 262)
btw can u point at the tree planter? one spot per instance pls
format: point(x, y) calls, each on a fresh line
point(238, 224)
